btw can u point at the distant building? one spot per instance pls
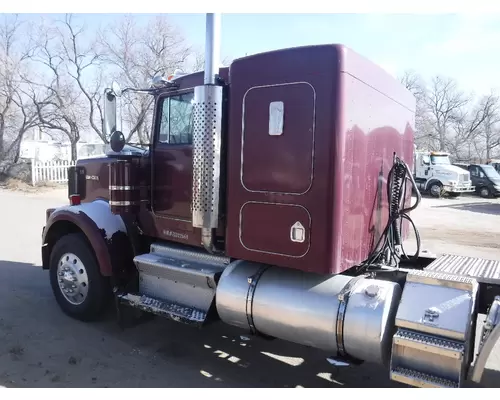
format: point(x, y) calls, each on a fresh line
point(40, 146)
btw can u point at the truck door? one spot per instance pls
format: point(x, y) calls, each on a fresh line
point(423, 167)
point(477, 177)
point(172, 157)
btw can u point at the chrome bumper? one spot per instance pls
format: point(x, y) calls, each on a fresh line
point(459, 188)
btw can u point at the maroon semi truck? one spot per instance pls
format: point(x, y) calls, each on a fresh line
point(275, 197)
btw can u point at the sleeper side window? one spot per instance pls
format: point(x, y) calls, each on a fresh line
point(176, 122)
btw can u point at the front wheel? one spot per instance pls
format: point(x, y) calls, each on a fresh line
point(484, 192)
point(78, 286)
point(435, 189)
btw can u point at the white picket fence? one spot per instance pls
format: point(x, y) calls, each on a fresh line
point(50, 171)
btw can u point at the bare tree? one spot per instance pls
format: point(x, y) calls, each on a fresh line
point(423, 122)
point(468, 122)
point(413, 82)
point(139, 54)
point(445, 103)
point(27, 120)
point(489, 130)
point(78, 60)
point(56, 97)
point(198, 61)
point(16, 116)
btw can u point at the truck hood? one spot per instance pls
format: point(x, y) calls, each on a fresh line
point(447, 169)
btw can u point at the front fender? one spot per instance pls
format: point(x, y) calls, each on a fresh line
point(105, 232)
point(430, 182)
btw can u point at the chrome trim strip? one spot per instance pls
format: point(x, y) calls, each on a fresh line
point(124, 203)
point(124, 187)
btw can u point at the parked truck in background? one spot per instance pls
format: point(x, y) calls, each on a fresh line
point(485, 178)
point(434, 174)
point(495, 163)
point(275, 196)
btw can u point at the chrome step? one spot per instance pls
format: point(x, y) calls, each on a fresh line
point(434, 321)
point(176, 312)
point(484, 271)
point(420, 379)
point(430, 344)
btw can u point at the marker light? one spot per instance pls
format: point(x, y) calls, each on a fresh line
point(74, 200)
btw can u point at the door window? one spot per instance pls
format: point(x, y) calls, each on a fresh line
point(474, 172)
point(176, 120)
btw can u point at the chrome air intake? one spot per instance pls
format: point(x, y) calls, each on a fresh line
point(344, 315)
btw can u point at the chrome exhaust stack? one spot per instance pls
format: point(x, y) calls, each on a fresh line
point(207, 112)
point(212, 48)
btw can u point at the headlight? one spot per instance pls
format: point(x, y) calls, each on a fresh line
point(453, 183)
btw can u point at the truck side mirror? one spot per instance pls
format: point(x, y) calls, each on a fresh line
point(109, 123)
point(110, 119)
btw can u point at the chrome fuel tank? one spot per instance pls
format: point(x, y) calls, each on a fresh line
point(333, 313)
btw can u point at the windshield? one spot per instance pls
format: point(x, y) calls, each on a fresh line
point(440, 160)
point(491, 172)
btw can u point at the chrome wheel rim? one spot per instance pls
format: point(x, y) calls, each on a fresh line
point(435, 189)
point(484, 192)
point(72, 278)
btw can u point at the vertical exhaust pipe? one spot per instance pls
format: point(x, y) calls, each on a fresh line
point(207, 140)
point(212, 48)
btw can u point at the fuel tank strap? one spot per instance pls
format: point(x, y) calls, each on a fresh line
point(343, 297)
point(252, 284)
point(484, 271)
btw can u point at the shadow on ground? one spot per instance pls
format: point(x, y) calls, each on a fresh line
point(42, 347)
point(482, 208)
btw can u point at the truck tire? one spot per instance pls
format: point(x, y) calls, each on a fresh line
point(435, 189)
point(484, 192)
point(78, 286)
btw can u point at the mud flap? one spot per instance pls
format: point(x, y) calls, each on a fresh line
point(490, 335)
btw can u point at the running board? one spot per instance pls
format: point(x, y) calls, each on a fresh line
point(178, 275)
point(176, 312)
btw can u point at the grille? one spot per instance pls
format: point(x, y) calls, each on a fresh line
point(463, 177)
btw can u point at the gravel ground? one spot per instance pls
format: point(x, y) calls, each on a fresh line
point(41, 347)
point(468, 225)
